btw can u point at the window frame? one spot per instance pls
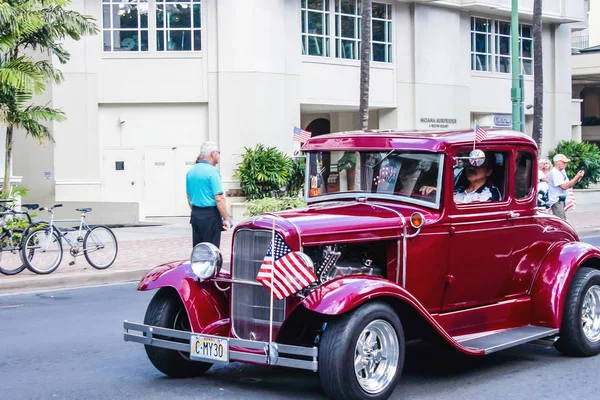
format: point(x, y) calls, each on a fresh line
point(496, 56)
point(533, 182)
point(489, 44)
point(325, 37)
point(334, 38)
point(111, 30)
point(152, 31)
point(468, 208)
point(165, 30)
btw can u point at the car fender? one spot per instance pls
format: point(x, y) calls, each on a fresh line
point(551, 283)
point(207, 307)
point(342, 295)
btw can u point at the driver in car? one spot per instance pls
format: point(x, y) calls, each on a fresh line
point(478, 188)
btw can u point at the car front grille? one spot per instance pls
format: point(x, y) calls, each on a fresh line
point(250, 303)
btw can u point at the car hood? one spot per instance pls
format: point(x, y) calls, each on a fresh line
point(339, 222)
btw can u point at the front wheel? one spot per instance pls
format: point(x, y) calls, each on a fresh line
point(100, 247)
point(580, 329)
point(361, 354)
point(167, 311)
point(11, 261)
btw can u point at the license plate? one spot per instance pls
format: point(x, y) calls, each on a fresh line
point(211, 349)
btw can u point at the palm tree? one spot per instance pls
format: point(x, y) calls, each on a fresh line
point(365, 63)
point(38, 25)
point(538, 75)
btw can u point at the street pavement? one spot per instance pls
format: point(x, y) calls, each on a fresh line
point(170, 239)
point(68, 345)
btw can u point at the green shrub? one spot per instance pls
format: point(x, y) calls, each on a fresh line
point(584, 156)
point(263, 172)
point(296, 180)
point(261, 206)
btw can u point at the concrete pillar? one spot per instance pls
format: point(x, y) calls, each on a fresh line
point(257, 76)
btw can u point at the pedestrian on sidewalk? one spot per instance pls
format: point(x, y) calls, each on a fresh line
point(205, 197)
point(558, 183)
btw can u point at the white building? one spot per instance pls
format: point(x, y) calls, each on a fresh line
point(163, 77)
point(586, 72)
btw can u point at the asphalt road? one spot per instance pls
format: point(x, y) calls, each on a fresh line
point(68, 344)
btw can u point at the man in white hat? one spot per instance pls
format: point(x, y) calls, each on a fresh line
point(558, 183)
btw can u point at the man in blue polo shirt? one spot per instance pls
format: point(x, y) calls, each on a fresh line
point(205, 197)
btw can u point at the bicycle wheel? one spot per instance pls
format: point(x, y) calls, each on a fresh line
point(11, 261)
point(42, 252)
point(100, 247)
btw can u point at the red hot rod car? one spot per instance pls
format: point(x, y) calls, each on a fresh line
point(402, 247)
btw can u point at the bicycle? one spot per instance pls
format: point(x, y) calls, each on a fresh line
point(47, 239)
point(11, 240)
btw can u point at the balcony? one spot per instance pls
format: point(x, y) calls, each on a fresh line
point(580, 42)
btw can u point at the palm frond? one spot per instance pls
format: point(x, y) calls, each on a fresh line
point(49, 71)
point(22, 74)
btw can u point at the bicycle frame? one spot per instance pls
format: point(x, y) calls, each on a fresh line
point(64, 233)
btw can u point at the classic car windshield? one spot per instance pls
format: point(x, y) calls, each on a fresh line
point(414, 175)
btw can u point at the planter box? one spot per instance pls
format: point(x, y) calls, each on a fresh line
point(587, 197)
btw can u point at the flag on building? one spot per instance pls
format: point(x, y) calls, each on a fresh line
point(300, 135)
point(291, 273)
point(480, 133)
point(570, 203)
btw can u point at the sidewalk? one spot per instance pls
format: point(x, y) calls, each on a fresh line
point(143, 248)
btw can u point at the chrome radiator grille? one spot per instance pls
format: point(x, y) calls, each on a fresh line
point(250, 303)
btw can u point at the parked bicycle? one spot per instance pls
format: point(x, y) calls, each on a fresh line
point(99, 245)
point(11, 239)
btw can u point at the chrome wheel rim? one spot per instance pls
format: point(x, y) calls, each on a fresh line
point(590, 314)
point(376, 356)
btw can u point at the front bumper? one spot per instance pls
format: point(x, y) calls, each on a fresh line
point(277, 354)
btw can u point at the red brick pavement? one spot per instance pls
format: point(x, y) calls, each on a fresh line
point(132, 255)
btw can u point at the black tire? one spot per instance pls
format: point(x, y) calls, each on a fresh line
point(86, 244)
point(572, 338)
point(5, 247)
point(337, 352)
point(29, 251)
point(167, 311)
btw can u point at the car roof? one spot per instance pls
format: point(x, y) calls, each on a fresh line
point(435, 141)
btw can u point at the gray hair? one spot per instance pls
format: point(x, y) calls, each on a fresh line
point(207, 148)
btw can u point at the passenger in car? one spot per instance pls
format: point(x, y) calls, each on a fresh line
point(478, 188)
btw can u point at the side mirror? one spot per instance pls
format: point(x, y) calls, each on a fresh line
point(476, 158)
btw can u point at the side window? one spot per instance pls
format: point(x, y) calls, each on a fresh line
point(523, 174)
point(484, 183)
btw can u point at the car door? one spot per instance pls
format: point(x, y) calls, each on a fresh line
point(480, 241)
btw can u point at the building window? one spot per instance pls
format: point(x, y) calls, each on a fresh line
point(502, 46)
point(382, 32)
point(526, 47)
point(481, 44)
point(125, 25)
point(348, 30)
point(482, 50)
point(315, 27)
point(178, 25)
point(316, 34)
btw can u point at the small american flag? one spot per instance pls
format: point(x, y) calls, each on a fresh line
point(300, 135)
point(291, 274)
point(480, 133)
point(570, 203)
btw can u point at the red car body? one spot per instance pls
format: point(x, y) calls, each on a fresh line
point(468, 272)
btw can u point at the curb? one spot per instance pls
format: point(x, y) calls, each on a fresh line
point(70, 280)
point(586, 232)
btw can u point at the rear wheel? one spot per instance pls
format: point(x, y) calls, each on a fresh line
point(42, 251)
point(361, 354)
point(11, 261)
point(580, 329)
point(167, 311)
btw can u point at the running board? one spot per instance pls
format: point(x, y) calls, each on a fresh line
point(491, 342)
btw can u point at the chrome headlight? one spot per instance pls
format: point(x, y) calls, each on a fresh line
point(206, 260)
point(306, 260)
